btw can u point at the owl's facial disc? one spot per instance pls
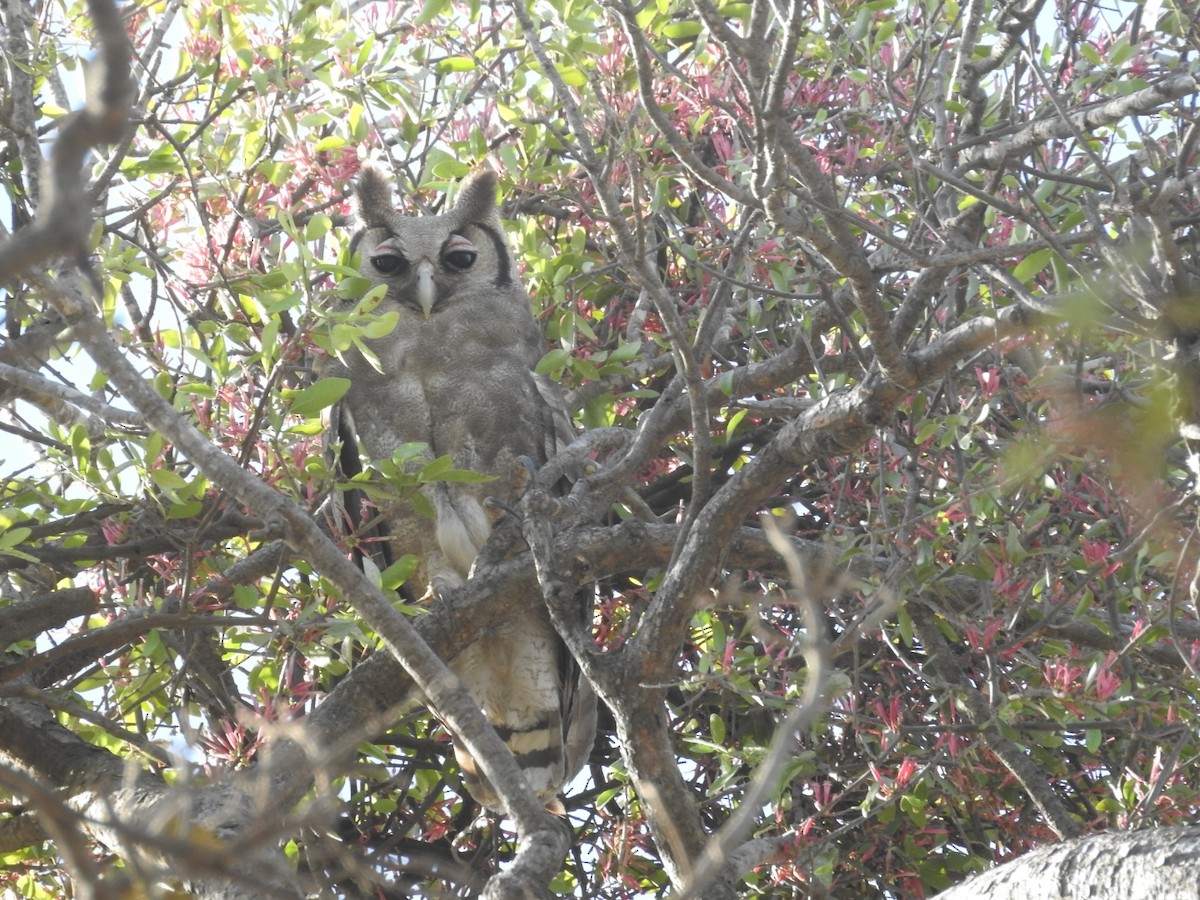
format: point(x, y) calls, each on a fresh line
point(456, 257)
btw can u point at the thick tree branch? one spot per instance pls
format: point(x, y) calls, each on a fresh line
point(25, 619)
point(1088, 120)
point(62, 224)
point(1139, 865)
point(202, 838)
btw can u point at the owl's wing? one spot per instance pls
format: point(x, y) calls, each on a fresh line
point(560, 432)
point(352, 516)
point(557, 432)
point(578, 702)
point(578, 708)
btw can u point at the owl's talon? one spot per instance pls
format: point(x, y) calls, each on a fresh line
point(492, 504)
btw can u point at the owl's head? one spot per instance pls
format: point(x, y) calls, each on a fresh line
point(430, 262)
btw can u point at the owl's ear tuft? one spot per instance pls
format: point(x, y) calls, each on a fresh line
point(476, 201)
point(373, 197)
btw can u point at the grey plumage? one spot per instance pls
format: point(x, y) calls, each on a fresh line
point(456, 374)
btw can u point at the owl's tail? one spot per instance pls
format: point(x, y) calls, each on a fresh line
point(544, 712)
point(539, 751)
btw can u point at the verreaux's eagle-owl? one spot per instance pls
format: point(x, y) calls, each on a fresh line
point(456, 374)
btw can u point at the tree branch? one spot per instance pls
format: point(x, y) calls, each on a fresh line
point(1145, 864)
point(200, 837)
point(1088, 120)
point(62, 224)
point(65, 403)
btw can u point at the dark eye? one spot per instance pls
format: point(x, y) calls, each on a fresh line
point(460, 259)
point(389, 264)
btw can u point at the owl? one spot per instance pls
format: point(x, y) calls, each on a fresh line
point(456, 374)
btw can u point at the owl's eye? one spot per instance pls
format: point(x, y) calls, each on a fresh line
point(460, 259)
point(389, 264)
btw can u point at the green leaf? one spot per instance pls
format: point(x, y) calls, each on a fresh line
point(399, 572)
point(624, 352)
point(572, 77)
point(332, 142)
point(9, 541)
point(434, 470)
point(716, 727)
point(734, 421)
point(317, 227)
point(442, 469)
point(168, 479)
point(677, 31)
point(382, 325)
point(367, 353)
point(431, 10)
point(311, 400)
point(553, 362)
point(1032, 264)
point(914, 808)
point(465, 476)
point(455, 64)
point(186, 510)
point(421, 505)
point(905, 623)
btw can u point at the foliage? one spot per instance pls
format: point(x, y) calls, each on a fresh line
point(915, 281)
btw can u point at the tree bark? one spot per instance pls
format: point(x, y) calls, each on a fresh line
point(1154, 864)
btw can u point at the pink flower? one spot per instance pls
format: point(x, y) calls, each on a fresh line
point(1061, 675)
point(1106, 681)
point(1095, 553)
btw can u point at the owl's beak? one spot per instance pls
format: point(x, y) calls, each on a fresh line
point(426, 289)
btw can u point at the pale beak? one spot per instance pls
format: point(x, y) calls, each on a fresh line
point(426, 289)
